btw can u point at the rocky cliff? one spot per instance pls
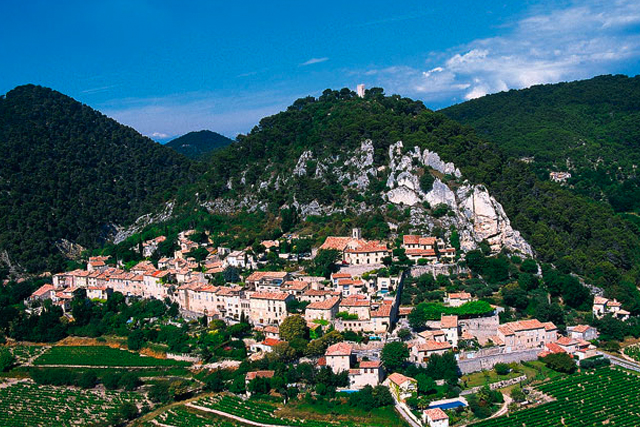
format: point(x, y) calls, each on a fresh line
point(470, 209)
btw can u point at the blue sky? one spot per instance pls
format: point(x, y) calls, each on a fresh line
point(169, 67)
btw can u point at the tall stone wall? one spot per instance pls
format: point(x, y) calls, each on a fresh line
point(481, 327)
point(484, 361)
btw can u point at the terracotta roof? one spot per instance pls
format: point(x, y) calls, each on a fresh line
point(42, 290)
point(339, 349)
point(278, 296)
point(341, 276)
point(460, 295)
point(370, 364)
point(399, 379)
point(411, 239)
point(366, 247)
point(420, 252)
point(259, 374)
point(549, 326)
point(295, 285)
point(521, 325)
point(600, 300)
point(581, 328)
point(271, 342)
point(337, 243)
point(382, 311)
point(433, 345)
point(259, 275)
point(272, 329)
point(447, 322)
point(614, 303)
point(436, 414)
point(430, 334)
point(566, 341)
point(354, 302)
point(326, 304)
point(555, 348)
point(403, 311)
point(319, 293)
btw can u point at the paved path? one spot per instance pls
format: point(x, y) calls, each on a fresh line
point(409, 419)
point(505, 406)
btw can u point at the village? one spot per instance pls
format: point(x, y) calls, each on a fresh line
point(360, 296)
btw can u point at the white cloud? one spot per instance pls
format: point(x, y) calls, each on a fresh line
point(314, 61)
point(579, 41)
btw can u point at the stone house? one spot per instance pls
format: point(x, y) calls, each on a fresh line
point(326, 309)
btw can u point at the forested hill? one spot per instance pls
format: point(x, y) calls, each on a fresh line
point(589, 128)
point(572, 231)
point(68, 170)
point(196, 145)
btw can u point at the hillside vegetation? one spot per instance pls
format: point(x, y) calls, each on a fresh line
point(573, 231)
point(590, 128)
point(196, 145)
point(68, 171)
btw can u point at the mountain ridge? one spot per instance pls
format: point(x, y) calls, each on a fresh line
point(198, 144)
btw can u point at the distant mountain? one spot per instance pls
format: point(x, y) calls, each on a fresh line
point(590, 128)
point(69, 172)
point(195, 145)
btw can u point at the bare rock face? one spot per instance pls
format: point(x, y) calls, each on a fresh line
point(486, 220)
point(362, 163)
point(475, 213)
point(441, 194)
point(301, 166)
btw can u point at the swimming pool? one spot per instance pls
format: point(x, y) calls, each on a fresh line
point(448, 405)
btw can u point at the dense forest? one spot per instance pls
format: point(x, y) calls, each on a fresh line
point(197, 145)
point(590, 128)
point(68, 171)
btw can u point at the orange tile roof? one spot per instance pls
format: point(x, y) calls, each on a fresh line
point(370, 364)
point(278, 296)
point(339, 349)
point(382, 311)
point(326, 304)
point(436, 414)
point(600, 300)
point(42, 290)
point(412, 239)
point(433, 345)
point(420, 252)
point(337, 243)
point(271, 342)
point(399, 379)
point(581, 329)
point(447, 322)
point(460, 295)
point(260, 374)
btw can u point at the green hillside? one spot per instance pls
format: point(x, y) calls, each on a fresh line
point(590, 128)
point(195, 145)
point(69, 172)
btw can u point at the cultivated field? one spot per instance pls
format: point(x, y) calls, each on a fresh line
point(633, 352)
point(180, 416)
point(99, 356)
point(606, 396)
point(29, 405)
point(269, 413)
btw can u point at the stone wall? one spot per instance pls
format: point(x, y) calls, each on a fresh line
point(487, 358)
point(496, 385)
point(481, 327)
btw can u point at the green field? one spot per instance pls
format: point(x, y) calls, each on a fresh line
point(23, 353)
point(605, 396)
point(29, 405)
point(100, 356)
point(271, 413)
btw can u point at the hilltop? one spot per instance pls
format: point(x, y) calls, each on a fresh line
point(71, 174)
point(589, 128)
point(195, 145)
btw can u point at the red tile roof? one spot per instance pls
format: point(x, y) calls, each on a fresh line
point(326, 304)
point(399, 379)
point(370, 364)
point(259, 374)
point(339, 349)
point(436, 414)
point(411, 239)
point(433, 345)
point(447, 322)
point(278, 296)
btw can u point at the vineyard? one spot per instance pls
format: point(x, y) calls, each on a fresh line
point(633, 352)
point(25, 404)
point(265, 413)
point(605, 396)
point(23, 353)
point(180, 416)
point(100, 356)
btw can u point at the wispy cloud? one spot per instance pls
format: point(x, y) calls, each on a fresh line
point(574, 42)
point(314, 61)
point(100, 89)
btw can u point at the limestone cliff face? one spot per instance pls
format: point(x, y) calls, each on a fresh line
point(472, 211)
